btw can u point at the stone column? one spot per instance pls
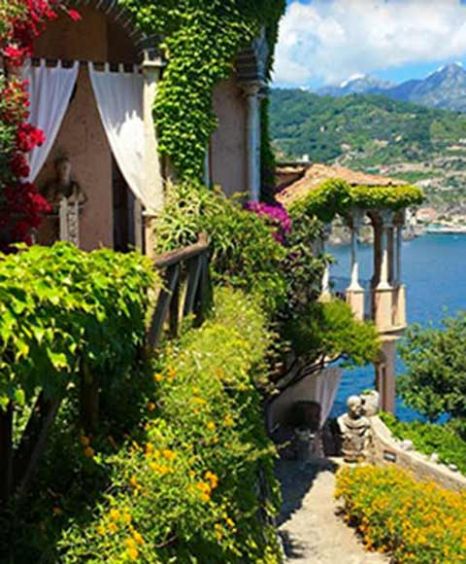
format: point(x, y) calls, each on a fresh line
point(384, 267)
point(153, 179)
point(325, 295)
point(253, 133)
point(354, 292)
point(383, 295)
point(355, 226)
point(385, 375)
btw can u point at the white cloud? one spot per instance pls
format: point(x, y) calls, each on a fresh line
point(330, 40)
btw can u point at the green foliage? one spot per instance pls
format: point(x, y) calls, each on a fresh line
point(435, 378)
point(338, 197)
point(188, 488)
point(244, 252)
point(429, 438)
point(60, 307)
point(201, 41)
point(416, 522)
point(329, 331)
point(325, 202)
point(393, 198)
point(367, 130)
point(303, 266)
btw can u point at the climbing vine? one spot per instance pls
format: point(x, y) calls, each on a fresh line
point(202, 38)
point(338, 197)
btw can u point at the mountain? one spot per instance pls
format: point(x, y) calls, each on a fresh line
point(375, 134)
point(364, 84)
point(444, 88)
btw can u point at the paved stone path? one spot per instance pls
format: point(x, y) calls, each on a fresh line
point(310, 528)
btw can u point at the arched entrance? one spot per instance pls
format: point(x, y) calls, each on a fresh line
point(112, 214)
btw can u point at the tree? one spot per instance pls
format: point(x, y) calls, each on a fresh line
point(435, 380)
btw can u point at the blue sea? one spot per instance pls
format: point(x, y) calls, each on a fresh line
point(434, 271)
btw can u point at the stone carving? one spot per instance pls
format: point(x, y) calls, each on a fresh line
point(355, 430)
point(67, 198)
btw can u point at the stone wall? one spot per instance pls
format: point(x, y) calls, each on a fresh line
point(388, 451)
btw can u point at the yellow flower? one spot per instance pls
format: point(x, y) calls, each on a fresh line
point(168, 454)
point(149, 448)
point(158, 377)
point(171, 372)
point(228, 421)
point(115, 515)
point(89, 452)
point(130, 543)
point(85, 441)
point(101, 530)
point(151, 406)
point(132, 553)
point(138, 538)
point(212, 478)
point(112, 528)
point(219, 531)
point(210, 426)
point(230, 522)
point(126, 518)
point(134, 482)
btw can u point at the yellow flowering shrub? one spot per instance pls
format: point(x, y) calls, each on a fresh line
point(417, 522)
point(188, 489)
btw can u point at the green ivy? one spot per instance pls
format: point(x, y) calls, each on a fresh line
point(336, 196)
point(201, 41)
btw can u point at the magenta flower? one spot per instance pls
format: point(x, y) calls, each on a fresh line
point(275, 215)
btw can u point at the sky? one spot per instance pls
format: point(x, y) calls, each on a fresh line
point(329, 41)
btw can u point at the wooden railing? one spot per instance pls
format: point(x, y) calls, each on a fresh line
point(186, 290)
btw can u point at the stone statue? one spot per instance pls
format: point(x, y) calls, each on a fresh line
point(355, 429)
point(67, 199)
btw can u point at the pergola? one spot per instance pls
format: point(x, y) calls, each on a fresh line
point(381, 202)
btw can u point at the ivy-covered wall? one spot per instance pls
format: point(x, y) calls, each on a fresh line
point(201, 41)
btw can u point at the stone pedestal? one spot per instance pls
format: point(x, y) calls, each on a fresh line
point(400, 313)
point(355, 299)
point(383, 309)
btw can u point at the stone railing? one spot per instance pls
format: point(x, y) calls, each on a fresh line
point(387, 450)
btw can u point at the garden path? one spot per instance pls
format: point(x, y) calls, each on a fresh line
point(309, 525)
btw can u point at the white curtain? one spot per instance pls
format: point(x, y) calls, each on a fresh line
point(320, 387)
point(119, 98)
point(50, 90)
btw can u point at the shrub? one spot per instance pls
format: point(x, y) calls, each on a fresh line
point(188, 488)
point(418, 522)
point(60, 306)
point(244, 252)
point(435, 379)
point(329, 332)
point(429, 438)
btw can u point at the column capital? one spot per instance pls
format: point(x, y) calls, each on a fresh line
point(252, 88)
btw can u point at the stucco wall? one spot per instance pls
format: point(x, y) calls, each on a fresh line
point(228, 149)
point(82, 137)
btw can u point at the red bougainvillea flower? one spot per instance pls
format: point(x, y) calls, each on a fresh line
point(74, 15)
point(21, 205)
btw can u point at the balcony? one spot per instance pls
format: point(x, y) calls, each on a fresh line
point(386, 307)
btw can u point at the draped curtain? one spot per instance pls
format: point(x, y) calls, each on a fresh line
point(119, 98)
point(50, 90)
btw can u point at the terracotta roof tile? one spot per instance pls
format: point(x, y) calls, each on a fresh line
point(319, 173)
